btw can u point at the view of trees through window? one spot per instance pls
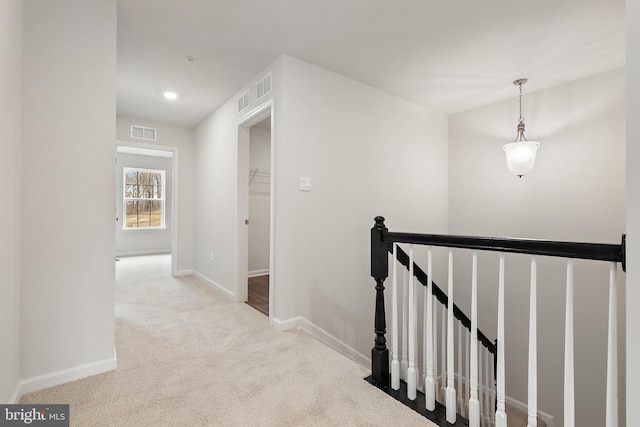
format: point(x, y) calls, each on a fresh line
point(143, 198)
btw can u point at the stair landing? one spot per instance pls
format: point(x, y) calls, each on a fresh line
point(438, 416)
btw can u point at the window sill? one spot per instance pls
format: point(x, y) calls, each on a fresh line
point(144, 229)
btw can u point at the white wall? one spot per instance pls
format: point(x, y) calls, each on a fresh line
point(259, 199)
point(215, 197)
point(577, 193)
point(367, 153)
point(69, 101)
point(142, 242)
point(184, 140)
point(10, 129)
point(633, 212)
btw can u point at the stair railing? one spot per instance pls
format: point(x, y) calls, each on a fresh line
point(383, 241)
point(400, 362)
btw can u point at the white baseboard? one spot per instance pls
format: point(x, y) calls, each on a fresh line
point(548, 419)
point(285, 325)
point(323, 336)
point(214, 285)
point(15, 397)
point(257, 273)
point(65, 375)
point(183, 273)
point(141, 253)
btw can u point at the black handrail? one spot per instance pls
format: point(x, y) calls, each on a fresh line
point(592, 251)
point(422, 277)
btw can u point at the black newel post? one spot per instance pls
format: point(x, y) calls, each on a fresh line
point(379, 271)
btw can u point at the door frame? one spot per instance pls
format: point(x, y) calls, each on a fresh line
point(174, 192)
point(261, 112)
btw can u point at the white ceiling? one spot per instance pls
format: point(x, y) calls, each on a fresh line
point(450, 55)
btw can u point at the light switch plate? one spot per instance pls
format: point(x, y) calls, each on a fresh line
point(304, 183)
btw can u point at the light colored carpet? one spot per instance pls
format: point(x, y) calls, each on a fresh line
point(188, 356)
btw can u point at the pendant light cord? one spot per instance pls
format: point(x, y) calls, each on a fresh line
point(521, 118)
point(520, 135)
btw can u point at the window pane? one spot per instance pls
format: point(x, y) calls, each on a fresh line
point(148, 187)
point(131, 210)
point(144, 185)
point(129, 191)
point(143, 213)
point(156, 214)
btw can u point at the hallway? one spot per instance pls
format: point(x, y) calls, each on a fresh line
point(189, 356)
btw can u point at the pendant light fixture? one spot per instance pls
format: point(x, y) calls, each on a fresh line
point(521, 154)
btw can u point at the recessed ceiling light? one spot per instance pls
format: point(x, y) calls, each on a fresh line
point(170, 95)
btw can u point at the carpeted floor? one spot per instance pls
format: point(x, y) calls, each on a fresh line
point(188, 356)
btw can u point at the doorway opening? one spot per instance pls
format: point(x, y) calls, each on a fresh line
point(158, 234)
point(259, 215)
point(255, 234)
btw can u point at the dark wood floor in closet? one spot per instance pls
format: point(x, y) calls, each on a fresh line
point(259, 293)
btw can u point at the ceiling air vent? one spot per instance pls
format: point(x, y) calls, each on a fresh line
point(263, 87)
point(143, 132)
point(243, 101)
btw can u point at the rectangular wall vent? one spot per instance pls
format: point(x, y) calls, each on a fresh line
point(243, 101)
point(143, 132)
point(263, 87)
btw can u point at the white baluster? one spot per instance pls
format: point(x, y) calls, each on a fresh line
point(451, 388)
point(487, 387)
point(425, 346)
point(492, 378)
point(612, 352)
point(395, 364)
point(474, 406)
point(412, 374)
point(429, 382)
point(569, 395)
point(435, 348)
point(460, 402)
point(467, 337)
point(404, 364)
point(501, 415)
point(443, 354)
point(532, 420)
point(416, 287)
point(480, 384)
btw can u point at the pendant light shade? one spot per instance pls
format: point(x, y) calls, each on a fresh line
point(521, 154)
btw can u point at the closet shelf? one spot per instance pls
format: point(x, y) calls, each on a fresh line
point(261, 176)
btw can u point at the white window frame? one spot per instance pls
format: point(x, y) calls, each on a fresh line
point(125, 199)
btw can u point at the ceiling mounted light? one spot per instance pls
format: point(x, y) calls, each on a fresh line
point(170, 95)
point(521, 154)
